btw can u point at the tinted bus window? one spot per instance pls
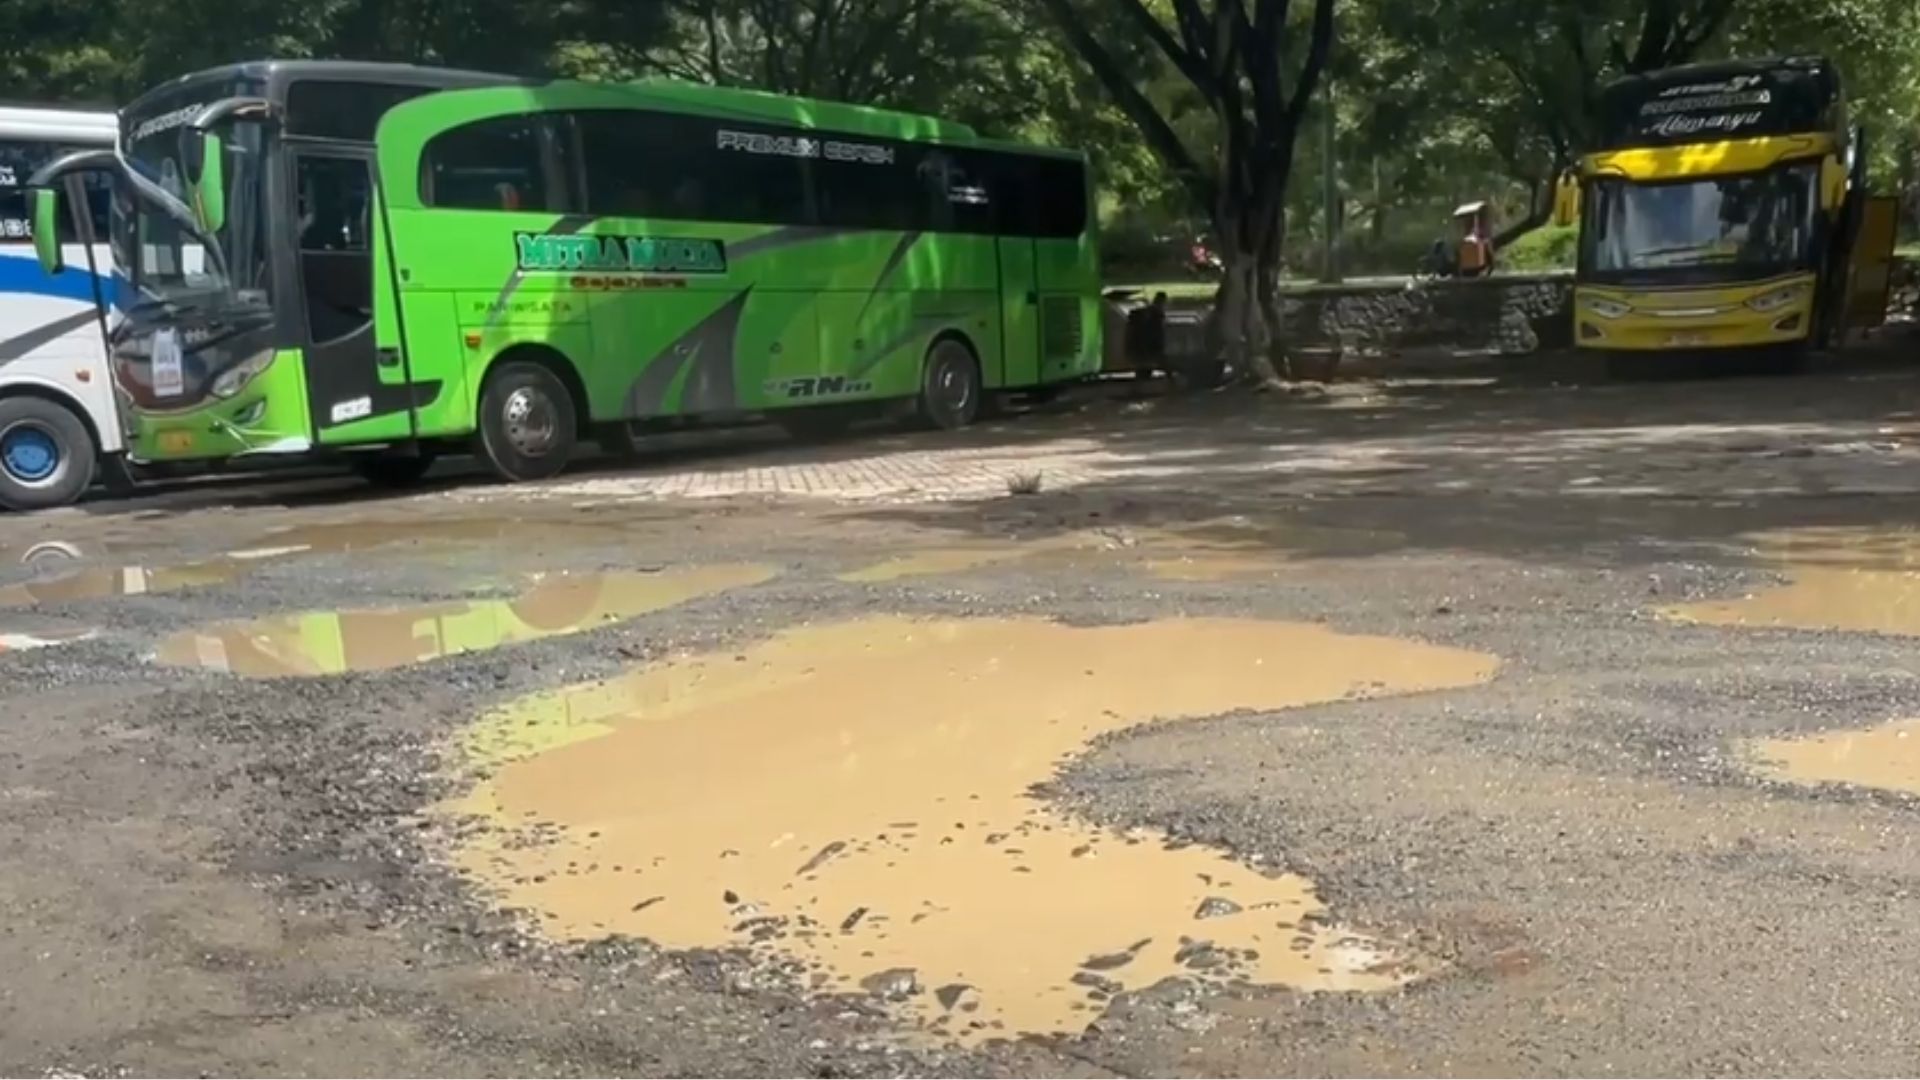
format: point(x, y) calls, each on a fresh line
point(673, 166)
point(642, 163)
point(18, 160)
point(930, 187)
point(487, 165)
point(1050, 196)
point(882, 185)
point(961, 185)
point(342, 110)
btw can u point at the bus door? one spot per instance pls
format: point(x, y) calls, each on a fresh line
point(356, 392)
point(1870, 269)
point(1019, 313)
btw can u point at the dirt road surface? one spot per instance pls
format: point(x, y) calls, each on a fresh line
point(1472, 725)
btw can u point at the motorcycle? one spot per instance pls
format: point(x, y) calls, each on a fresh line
point(1203, 263)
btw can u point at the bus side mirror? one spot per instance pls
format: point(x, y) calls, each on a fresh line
point(46, 230)
point(209, 184)
point(1566, 200)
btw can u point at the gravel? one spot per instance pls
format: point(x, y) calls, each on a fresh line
point(204, 874)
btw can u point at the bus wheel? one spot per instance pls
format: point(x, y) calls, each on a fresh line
point(47, 457)
point(527, 422)
point(950, 387)
point(393, 470)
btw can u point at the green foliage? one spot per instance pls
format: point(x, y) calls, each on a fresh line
point(964, 59)
point(111, 50)
point(1551, 247)
point(1459, 89)
point(1875, 43)
point(1438, 102)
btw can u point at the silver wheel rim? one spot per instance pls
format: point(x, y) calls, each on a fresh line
point(951, 387)
point(531, 421)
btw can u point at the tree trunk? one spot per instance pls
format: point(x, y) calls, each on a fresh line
point(1273, 355)
point(1378, 226)
point(1908, 182)
point(1245, 320)
point(1271, 362)
point(1246, 330)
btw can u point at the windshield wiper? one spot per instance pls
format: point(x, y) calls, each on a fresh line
point(1678, 249)
point(1705, 258)
point(173, 308)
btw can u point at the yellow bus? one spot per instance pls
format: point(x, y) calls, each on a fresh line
point(1725, 214)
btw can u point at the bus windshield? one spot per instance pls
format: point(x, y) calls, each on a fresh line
point(165, 259)
point(1724, 228)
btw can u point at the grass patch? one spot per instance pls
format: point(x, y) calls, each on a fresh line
point(1551, 247)
point(1024, 484)
point(1175, 290)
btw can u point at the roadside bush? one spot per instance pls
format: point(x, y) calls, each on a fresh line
point(1551, 247)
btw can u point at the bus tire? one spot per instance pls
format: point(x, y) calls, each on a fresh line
point(527, 422)
point(392, 470)
point(47, 455)
point(950, 386)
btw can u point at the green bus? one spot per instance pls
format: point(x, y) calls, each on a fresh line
point(389, 262)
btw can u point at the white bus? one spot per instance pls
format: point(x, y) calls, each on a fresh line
point(58, 417)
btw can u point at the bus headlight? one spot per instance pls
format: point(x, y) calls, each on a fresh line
point(1777, 299)
point(1607, 309)
point(235, 379)
point(250, 415)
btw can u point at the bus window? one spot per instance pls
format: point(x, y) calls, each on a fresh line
point(18, 160)
point(492, 164)
point(334, 201)
point(646, 164)
point(336, 265)
point(1049, 196)
point(326, 109)
point(901, 193)
point(16, 220)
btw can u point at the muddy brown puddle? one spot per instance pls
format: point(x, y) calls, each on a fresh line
point(522, 535)
point(1861, 580)
point(102, 582)
point(1887, 757)
point(105, 582)
point(854, 798)
point(331, 642)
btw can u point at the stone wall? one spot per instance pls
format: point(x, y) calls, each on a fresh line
point(1507, 314)
point(1904, 289)
point(1510, 315)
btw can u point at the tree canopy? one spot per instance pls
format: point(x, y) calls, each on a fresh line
point(1191, 109)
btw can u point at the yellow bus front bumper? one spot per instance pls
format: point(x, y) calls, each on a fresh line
point(1779, 311)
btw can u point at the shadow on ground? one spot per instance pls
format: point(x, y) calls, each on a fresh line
point(1536, 458)
point(1544, 464)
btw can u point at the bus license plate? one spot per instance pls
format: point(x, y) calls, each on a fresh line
point(169, 377)
point(176, 442)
